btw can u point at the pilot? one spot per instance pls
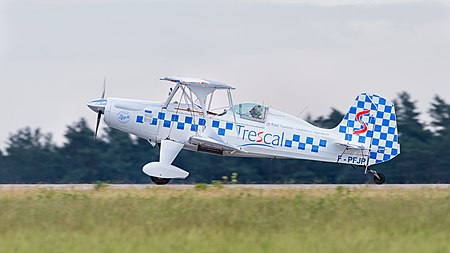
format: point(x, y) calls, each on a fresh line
point(256, 112)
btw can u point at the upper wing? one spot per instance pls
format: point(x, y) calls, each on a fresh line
point(197, 82)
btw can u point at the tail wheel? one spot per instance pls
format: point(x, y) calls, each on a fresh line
point(160, 180)
point(380, 179)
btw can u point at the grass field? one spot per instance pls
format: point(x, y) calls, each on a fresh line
point(225, 220)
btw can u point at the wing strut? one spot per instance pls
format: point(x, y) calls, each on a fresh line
point(230, 101)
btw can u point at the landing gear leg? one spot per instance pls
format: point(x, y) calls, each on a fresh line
point(378, 178)
point(160, 180)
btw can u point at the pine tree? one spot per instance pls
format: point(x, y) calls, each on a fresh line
point(126, 156)
point(31, 158)
point(408, 121)
point(84, 158)
point(333, 119)
point(440, 114)
point(415, 158)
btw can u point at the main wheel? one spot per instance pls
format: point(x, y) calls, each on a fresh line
point(379, 180)
point(160, 180)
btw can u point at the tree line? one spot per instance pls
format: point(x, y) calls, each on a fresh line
point(32, 156)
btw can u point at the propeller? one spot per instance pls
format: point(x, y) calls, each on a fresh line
point(100, 109)
point(104, 87)
point(99, 117)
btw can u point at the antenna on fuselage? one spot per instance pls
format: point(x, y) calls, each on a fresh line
point(302, 111)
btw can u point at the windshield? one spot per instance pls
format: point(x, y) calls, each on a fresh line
point(251, 111)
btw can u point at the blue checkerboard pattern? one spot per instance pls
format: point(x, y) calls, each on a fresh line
point(381, 135)
point(222, 127)
point(182, 122)
point(147, 117)
point(303, 142)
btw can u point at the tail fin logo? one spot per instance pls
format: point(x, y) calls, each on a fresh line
point(358, 118)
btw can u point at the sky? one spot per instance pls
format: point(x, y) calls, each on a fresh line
point(288, 54)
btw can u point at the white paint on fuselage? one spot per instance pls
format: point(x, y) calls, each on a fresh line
point(256, 139)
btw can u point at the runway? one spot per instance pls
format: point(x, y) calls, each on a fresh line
point(231, 186)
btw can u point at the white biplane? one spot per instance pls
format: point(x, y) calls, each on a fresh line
point(366, 136)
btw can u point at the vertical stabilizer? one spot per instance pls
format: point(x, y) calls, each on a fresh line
point(371, 124)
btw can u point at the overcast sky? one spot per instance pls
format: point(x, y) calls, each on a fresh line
point(288, 54)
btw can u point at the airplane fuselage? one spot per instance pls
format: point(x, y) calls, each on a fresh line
point(272, 135)
point(367, 134)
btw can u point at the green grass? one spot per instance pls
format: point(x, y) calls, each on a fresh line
point(215, 219)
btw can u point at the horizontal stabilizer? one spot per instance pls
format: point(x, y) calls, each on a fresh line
point(351, 145)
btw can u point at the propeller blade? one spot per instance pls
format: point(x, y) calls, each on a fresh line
point(104, 87)
point(99, 116)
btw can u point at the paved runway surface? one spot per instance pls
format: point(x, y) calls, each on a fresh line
point(251, 186)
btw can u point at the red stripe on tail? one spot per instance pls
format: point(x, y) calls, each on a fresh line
point(358, 117)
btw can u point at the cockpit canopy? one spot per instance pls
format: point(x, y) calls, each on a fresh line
point(251, 111)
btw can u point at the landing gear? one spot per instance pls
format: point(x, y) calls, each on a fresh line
point(160, 180)
point(378, 178)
